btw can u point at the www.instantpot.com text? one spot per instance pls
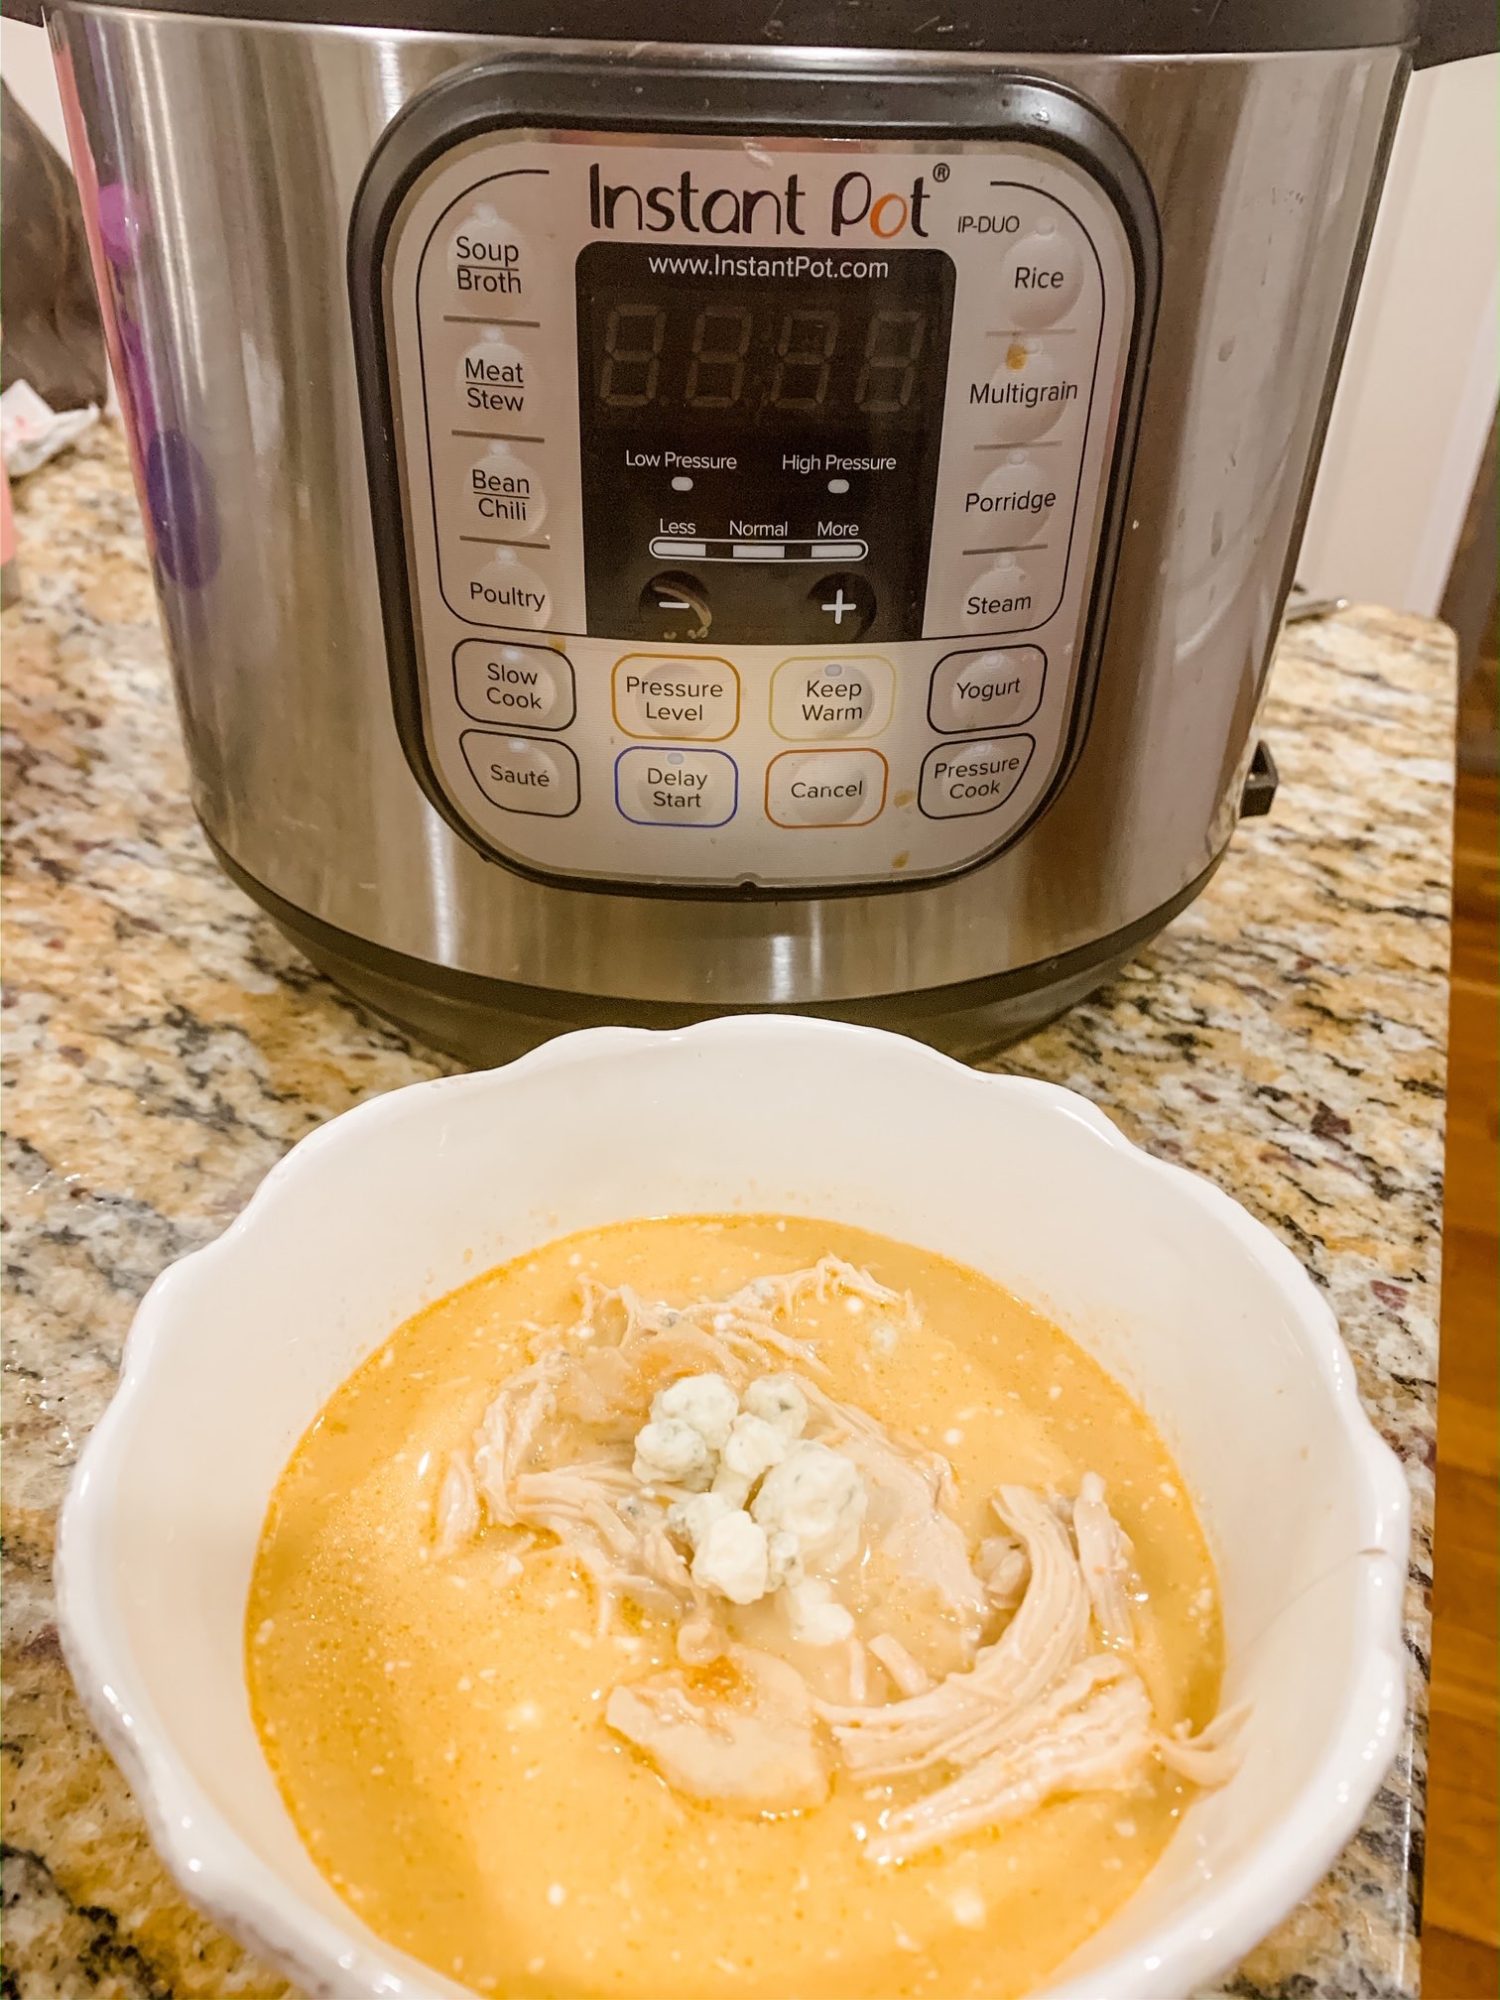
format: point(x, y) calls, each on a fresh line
point(749, 264)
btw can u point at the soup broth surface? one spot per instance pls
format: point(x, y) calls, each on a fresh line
point(436, 1726)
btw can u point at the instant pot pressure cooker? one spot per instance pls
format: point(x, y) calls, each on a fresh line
point(664, 509)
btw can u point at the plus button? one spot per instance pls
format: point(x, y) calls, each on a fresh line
point(840, 606)
point(846, 602)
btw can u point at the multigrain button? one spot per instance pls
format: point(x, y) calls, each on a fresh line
point(655, 695)
point(1030, 390)
point(1040, 278)
point(959, 779)
point(501, 588)
point(489, 261)
point(496, 375)
point(995, 689)
point(1016, 497)
point(529, 686)
point(503, 493)
point(840, 697)
point(676, 787)
point(523, 776)
point(825, 787)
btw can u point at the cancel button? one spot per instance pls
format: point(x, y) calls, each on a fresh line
point(963, 778)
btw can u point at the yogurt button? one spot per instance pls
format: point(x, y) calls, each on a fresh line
point(994, 689)
point(503, 494)
point(489, 261)
point(528, 686)
point(825, 787)
point(1016, 497)
point(1040, 279)
point(961, 779)
point(504, 590)
point(676, 787)
point(521, 776)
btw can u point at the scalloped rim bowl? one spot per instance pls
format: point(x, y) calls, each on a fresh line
point(1189, 1302)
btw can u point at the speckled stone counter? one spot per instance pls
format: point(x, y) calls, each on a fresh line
point(164, 1046)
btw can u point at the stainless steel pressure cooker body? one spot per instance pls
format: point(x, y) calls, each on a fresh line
point(647, 529)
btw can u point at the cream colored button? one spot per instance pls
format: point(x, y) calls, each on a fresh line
point(845, 697)
point(1015, 498)
point(530, 687)
point(960, 779)
point(489, 261)
point(1031, 389)
point(994, 689)
point(656, 695)
point(825, 787)
point(676, 787)
point(522, 776)
point(1006, 597)
point(496, 376)
point(1040, 279)
point(502, 589)
point(503, 494)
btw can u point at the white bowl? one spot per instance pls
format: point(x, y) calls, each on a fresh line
point(1182, 1296)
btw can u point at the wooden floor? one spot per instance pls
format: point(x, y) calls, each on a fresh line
point(1461, 1947)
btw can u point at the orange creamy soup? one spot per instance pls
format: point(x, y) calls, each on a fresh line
point(745, 1605)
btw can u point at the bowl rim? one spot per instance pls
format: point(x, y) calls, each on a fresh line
point(225, 1878)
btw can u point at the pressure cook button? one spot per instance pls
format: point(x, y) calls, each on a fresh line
point(1031, 389)
point(1040, 278)
point(660, 696)
point(959, 779)
point(489, 261)
point(825, 787)
point(530, 686)
point(502, 589)
point(503, 494)
point(841, 607)
point(1005, 598)
point(848, 697)
point(495, 376)
point(995, 689)
point(523, 776)
point(675, 606)
point(1015, 497)
point(676, 787)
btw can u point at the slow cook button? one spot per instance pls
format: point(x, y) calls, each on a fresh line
point(963, 778)
point(676, 787)
point(489, 261)
point(502, 589)
point(850, 697)
point(1040, 277)
point(530, 686)
point(825, 787)
point(995, 689)
point(656, 695)
point(521, 776)
point(503, 493)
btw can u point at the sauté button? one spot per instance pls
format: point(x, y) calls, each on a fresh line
point(489, 261)
point(959, 779)
point(825, 787)
point(523, 776)
point(676, 787)
point(1040, 278)
point(503, 589)
point(1015, 497)
point(495, 375)
point(530, 686)
point(852, 696)
point(994, 689)
point(656, 695)
point(502, 493)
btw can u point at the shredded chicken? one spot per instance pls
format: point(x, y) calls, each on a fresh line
point(1212, 1756)
point(753, 1748)
point(1106, 1557)
point(457, 1508)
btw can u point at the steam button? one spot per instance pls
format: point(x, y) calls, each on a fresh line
point(1006, 597)
point(1040, 278)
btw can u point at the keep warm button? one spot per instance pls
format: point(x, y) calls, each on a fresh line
point(963, 778)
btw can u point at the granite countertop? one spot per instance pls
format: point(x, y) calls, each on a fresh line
point(164, 1046)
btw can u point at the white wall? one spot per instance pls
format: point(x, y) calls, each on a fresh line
point(26, 65)
point(1417, 395)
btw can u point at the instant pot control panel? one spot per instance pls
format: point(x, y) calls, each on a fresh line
point(746, 500)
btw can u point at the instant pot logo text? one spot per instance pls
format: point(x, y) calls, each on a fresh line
point(855, 205)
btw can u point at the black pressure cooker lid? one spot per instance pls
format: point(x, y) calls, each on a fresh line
point(1440, 29)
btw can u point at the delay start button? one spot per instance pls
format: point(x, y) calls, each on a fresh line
point(529, 686)
point(656, 695)
point(959, 779)
point(676, 787)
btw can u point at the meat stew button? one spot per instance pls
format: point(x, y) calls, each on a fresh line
point(523, 776)
point(995, 689)
point(959, 779)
